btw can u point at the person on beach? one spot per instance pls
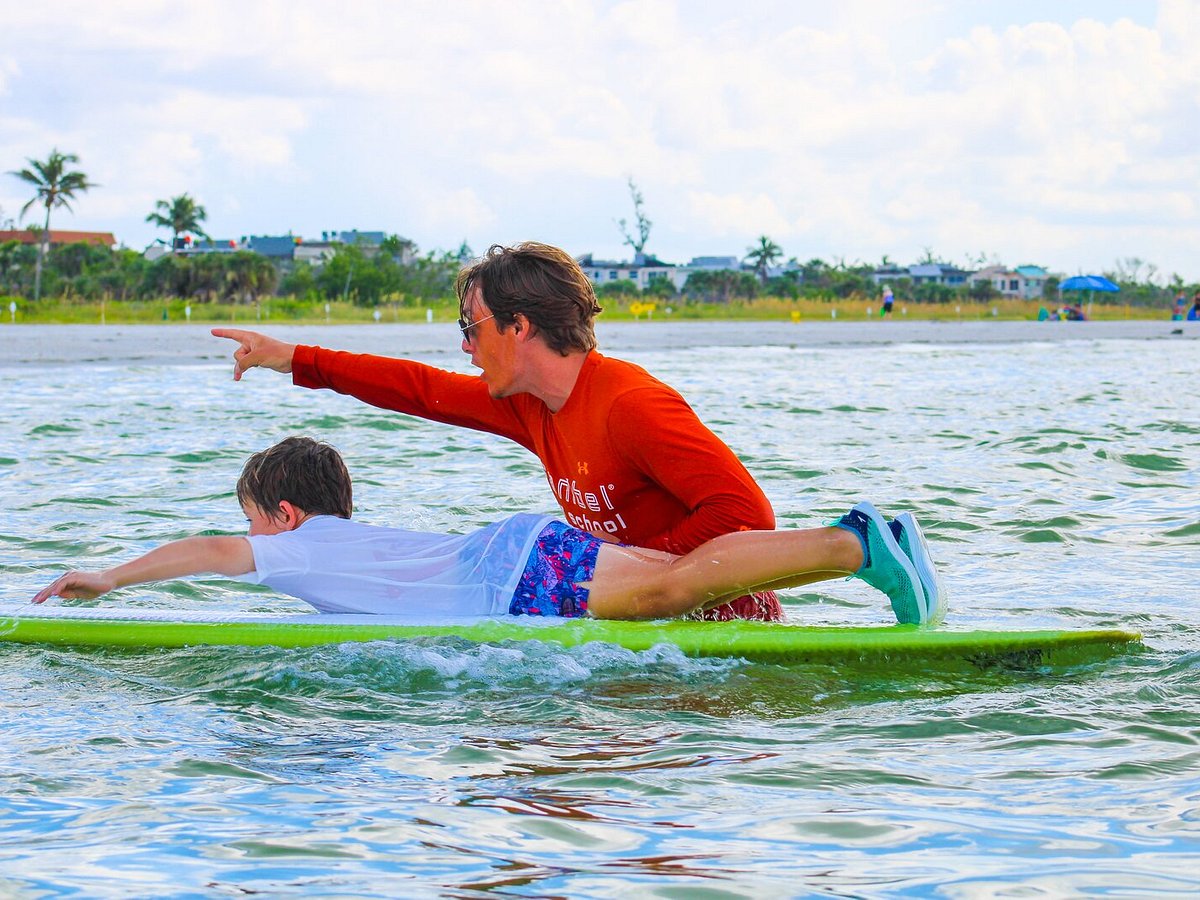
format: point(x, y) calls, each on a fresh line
point(626, 457)
point(888, 300)
point(298, 498)
point(1194, 313)
point(1179, 307)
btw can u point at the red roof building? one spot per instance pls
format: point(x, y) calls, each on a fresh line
point(58, 238)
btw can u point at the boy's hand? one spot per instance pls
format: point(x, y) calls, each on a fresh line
point(256, 349)
point(77, 586)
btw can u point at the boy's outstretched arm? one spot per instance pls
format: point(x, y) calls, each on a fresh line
point(191, 556)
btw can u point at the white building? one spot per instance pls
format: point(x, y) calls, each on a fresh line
point(922, 273)
point(1021, 283)
point(643, 271)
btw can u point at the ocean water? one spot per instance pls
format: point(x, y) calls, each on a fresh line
point(1058, 482)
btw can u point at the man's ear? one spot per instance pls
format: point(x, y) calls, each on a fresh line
point(522, 325)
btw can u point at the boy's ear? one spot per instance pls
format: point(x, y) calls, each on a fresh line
point(290, 515)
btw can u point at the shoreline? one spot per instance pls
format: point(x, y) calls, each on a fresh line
point(170, 344)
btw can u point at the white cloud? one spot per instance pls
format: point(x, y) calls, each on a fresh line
point(738, 214)
point(8, 69)
point(843, 130)
point(249, 131)
point(456, 209)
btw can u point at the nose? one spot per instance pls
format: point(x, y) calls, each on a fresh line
point(466, 344)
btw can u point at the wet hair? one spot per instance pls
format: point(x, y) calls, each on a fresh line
point(308, 474)
point(542, 283)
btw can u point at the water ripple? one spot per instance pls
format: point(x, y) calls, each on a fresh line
point(437, 768)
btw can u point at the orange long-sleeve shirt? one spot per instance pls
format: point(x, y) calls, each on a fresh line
point(625, 456)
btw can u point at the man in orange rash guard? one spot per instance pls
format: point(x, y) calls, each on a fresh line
point(626, 457)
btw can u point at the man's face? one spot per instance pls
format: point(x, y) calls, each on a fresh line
point(494, 352)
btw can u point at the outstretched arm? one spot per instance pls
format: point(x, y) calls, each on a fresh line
point(256, 349)
point(191, 556)
point(403, 385)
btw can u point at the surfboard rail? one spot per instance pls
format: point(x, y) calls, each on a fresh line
point(755, 641)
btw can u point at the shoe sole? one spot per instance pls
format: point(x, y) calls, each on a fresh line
point(868, 509)
point(922, 560)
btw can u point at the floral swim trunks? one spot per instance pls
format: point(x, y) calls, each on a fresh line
point(561, 557)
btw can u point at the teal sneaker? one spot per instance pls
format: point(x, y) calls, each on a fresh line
point(912, 543)
point(885, 566)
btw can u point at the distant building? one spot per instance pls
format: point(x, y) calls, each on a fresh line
point(210, 245)
point(889, 273)
point(643, 271)
point(367, 238)
point(1021, 283)
point(715, 263)
point(59, 238)
point(193, 245)
point(286, 249)
point(922, 273)
point(317, 253)
point(277, 248)
point(938, 273)
point(1034, 281)
point(646, 269)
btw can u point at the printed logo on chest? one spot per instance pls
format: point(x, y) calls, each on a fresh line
point(588, 501)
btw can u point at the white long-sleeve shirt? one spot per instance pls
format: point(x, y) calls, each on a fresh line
point(341, 566)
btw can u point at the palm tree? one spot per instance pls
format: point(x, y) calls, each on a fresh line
point(54, 186)
point(763, 254)
point(248, 276)
point(181, 214)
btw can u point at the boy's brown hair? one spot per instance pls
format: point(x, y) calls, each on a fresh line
point(306, 473)
point(543, 283)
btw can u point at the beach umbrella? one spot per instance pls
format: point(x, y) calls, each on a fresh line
point(1089, 283)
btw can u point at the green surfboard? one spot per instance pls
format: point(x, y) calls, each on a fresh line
point(755, 641)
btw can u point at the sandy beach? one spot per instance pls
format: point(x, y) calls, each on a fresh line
point(192, 344)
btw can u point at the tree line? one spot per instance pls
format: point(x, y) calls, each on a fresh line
point(821, 280)
point(93, 272)
point(360, 274)
point(393, 271)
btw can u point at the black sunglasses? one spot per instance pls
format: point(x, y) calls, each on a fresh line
point(465, 325)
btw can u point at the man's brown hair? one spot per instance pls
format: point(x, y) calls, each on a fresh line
point(543, 283)
point(309, 474)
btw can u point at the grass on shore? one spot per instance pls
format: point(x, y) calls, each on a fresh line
point(288, 310)
point(279, 310)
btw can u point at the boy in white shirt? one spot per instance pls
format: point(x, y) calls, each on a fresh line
point(298, 499)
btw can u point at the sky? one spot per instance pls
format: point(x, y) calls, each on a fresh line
point(1064, 134)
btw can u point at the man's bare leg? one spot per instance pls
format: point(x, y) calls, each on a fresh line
point(633, 583)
